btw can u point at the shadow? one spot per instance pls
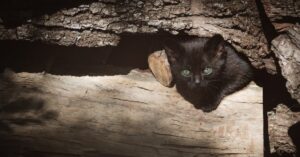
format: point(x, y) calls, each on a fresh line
point(53, 154)
point(131, 53)
point(23, 56)
point(133, 49)
point(267, 26)
point(293, 132)
point(288, 19)
point(275, 92)
point(22, 105)
point(18, 112)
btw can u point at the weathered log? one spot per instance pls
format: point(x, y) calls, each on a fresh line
point(287, 49)
point(103, 22)
point(282, 13)
point(121, 115)
point(280, 120)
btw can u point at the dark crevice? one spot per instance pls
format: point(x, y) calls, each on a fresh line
point(267, 152)
point(267, 26)
point(274, 93)
point(131, 52)
point(24, 56)
point(221, 16)
point(237, 27)
point(287, 19)
point(276, 63)
point(293, 132)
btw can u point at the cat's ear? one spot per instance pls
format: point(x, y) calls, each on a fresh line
point(216, 46)
point(173, 50)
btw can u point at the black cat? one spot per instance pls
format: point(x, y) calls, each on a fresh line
point(206, 70)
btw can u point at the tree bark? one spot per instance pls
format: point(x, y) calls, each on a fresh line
point(282, 13)
point(121, 115)
point(281, 120)
point(287, 49)
point(104, 22)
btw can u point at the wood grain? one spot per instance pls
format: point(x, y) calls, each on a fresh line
point(121, 115)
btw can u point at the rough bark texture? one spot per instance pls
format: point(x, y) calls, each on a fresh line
point(103, 22)
point(121, 115)
point(287, 49)
point(282, 13)
point(280, 9)
point(280, 121)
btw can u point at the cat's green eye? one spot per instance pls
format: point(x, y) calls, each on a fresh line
point(207, 71)
point(186, 73)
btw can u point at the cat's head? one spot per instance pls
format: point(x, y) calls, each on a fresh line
point(197, 63)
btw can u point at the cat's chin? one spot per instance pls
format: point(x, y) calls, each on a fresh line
point(206, 101)
point(201, 105)
point(206, 108)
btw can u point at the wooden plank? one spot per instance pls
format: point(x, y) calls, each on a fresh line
point(122, 115)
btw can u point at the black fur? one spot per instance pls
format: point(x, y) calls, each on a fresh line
point(229, 71)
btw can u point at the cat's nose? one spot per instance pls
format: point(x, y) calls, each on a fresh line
point(197, 79)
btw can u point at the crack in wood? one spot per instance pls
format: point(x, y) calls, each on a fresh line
point(192, 146)
point(143, 88)
point(134, 101)
point(165, 134)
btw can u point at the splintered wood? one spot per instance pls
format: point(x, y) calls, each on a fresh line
point(122, 115)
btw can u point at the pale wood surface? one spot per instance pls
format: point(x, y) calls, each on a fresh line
point(160, 67)
point(121, 115)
